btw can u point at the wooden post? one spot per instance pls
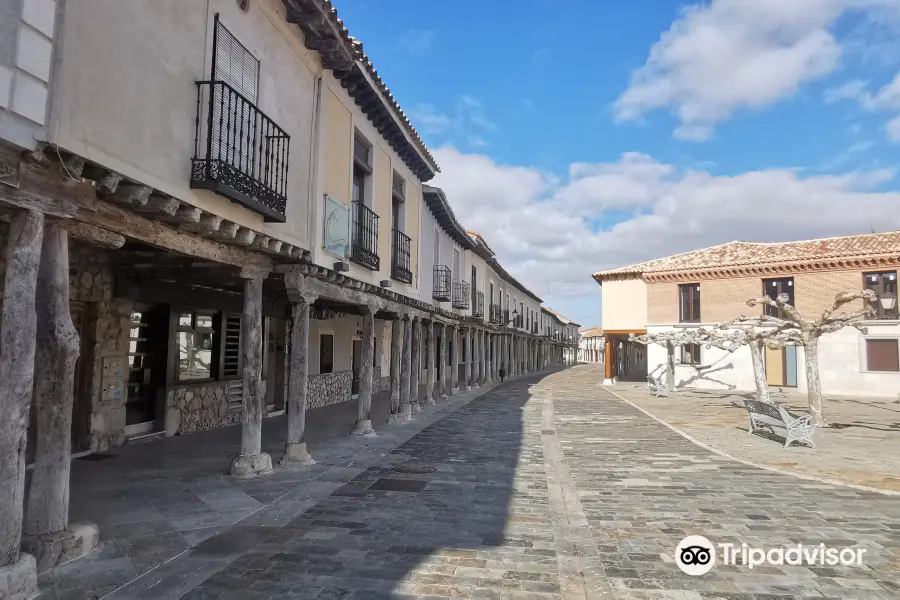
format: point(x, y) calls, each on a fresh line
point(442, 357)
point(17, 346)
point(364, 407)
point(48, 536)
point(429, 386)
point(295, 452)
point(454, 360)
point(252, 460)
point(470, 357)
point(405, 370)
point(415, 365)
point(396, 352)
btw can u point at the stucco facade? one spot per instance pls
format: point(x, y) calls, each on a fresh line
point(624, 304)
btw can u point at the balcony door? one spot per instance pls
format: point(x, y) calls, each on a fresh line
point(234, 127)
point(456, 272)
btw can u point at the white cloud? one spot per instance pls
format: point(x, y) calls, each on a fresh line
point(417, 41)
point(893, 129)
point(467, 124)
point(541, 226)
point(732, 55)
point(885, 99)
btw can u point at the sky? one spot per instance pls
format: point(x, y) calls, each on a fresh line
point(590, 134)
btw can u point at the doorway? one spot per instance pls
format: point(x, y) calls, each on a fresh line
point(781, 366)
point(147, 348)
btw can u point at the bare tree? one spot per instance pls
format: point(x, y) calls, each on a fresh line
point(670, 339)
point(794, 328)
point(750, 331)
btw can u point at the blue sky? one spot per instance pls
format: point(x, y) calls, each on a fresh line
point(586, 135)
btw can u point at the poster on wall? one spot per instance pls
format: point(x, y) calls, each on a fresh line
point(337, 227)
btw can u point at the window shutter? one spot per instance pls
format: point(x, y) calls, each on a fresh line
point(883, 355)
point(231, 341)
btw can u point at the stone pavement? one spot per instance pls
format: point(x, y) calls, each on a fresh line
point(862, 447)
point(542, 488)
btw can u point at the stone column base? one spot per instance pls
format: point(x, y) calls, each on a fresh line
point(246, 467)
point(415, 407)
point(395, 418)
point(364, 428)
point(406, 412)
point(53, 549)
point(18, 581)
point(429, 400)
point(296, 455)
point(454, 391)
point(609, 381)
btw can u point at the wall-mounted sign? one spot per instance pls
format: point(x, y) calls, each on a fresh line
point(337, 227)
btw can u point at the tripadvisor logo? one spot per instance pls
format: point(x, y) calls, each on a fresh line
point(696, 555)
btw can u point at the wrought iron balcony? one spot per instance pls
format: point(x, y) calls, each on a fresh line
point(496, 315)
point(364, 244)
point(440, 289)
point(239, 152)
point(478, 304)
point(400, 256)
point(461, 295)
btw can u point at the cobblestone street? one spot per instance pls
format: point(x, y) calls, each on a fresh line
point(543, 488)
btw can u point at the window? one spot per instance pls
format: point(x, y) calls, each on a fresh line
point(772, 288)
point(884, 284)
point(326, 353)
point(362, 169)
point(690, 302)
point(456, 267)
point(195, 344)
point(690, 354)
point(883, 355)
point(398, 198)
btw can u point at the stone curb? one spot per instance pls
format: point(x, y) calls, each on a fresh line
point(694, 440)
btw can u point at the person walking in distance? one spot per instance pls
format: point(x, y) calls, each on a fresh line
point(502, 373)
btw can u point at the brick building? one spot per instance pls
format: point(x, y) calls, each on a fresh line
point(712, 285)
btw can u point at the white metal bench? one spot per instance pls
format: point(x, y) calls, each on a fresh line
point(769, 417)
point(656, 387)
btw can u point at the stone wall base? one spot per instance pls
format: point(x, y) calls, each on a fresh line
point(53, 549)
point(18, 581)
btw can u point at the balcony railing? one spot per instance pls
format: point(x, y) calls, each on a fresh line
point(364, 245)
point(440, 289)
point(496, 315)
point(461, 295)
point(401, 269)
point(239, 152)
point(478, 304)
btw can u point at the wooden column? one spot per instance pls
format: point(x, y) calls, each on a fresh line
point(415, 365)
point(608, 367)
point(252, 460)
point(396, 351)
point(47, 535)
point(429, 386)
point(454, 360)
point(441, 390)
point(406, 370)
point(295, 452)
point(364, 399)
point(17, 346)
point(470, 357)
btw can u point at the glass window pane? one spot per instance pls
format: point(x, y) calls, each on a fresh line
point(186, 319)
point(194, 355)
point(204, 321)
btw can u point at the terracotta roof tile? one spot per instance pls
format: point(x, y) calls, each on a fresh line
point(592, 332)
point(734, 254)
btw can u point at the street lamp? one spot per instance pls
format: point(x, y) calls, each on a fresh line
point(514, 315)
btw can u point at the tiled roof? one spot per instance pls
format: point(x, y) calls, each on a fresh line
point(592, 332)
point(565, 320)
point(738, 254)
